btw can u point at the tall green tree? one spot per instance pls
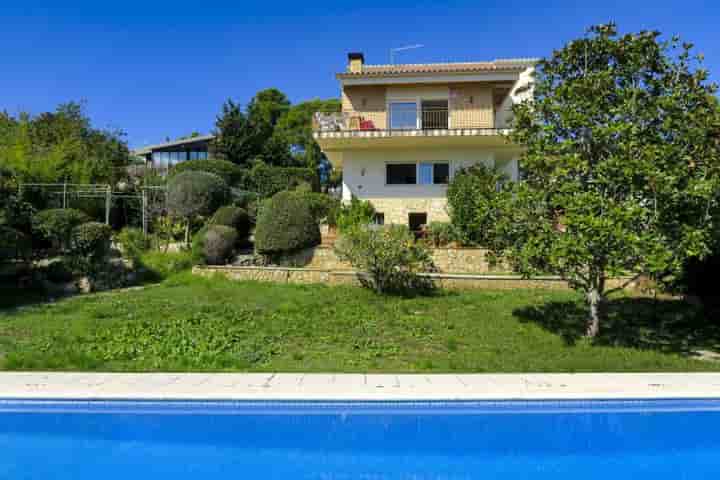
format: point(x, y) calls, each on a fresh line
point(621, 167)
point(236, 138)
point(61, 145)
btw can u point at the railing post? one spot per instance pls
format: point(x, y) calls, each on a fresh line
point(65, 194)
point(107, 205)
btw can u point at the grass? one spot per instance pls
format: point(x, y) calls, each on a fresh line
point(189, 323)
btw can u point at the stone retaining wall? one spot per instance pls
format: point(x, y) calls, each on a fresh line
point(447, 260)
point(442, 280)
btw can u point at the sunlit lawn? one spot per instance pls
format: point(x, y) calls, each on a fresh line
point(191, 323)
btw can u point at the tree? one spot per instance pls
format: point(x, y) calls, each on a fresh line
point(236, 138)
point(621, 168)
point(195, 194)
point(296, 128)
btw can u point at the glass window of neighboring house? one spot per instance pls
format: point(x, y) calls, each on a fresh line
point(161, 159)
point(434, 173)
point(403, 115)
point(198, 155)
point(401, 173)
point(177, 157)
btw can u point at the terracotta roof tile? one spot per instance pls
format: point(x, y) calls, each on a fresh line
point(459, 67)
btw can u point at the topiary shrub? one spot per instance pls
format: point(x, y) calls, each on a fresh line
point(195, 194)
point(56, 225)
point(388, 257)
point(89, 245)
point(214, 245)
point(357, 212)
point(228, 171)
point(285, 223)
point(234, 217)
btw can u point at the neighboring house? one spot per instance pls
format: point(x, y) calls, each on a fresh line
point(165, 155)
point(405, 130)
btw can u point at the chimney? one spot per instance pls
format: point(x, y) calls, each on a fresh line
point(355, 62)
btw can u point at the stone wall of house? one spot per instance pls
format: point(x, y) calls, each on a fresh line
point(446, 260)
point(442, 280)
point(397, 210)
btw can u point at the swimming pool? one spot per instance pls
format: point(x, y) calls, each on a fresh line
point(138, 440)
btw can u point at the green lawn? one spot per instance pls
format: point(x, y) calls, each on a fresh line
point(190, 323)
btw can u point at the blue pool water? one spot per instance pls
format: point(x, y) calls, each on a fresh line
point(370, 441)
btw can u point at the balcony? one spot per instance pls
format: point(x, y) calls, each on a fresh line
point(430, 122)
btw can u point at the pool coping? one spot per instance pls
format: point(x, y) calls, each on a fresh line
point(357, 386)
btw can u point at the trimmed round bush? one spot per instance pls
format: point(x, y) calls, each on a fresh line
point(214, 244)
point(56, 224)
point(286, 223)
point(228, 171)
point(196, 193)
point(233, 217)
point(91, 240)
point(133, 241)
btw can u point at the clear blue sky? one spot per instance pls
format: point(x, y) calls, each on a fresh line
point(158, 68)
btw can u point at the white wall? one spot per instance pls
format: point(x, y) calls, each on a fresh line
point(364, 170)
point(521, 91)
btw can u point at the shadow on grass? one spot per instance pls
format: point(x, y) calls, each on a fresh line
point(666, 325)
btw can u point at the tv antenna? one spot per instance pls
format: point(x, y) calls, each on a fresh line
point(400, 49)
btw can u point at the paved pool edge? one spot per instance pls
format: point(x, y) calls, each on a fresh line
point(298, 386)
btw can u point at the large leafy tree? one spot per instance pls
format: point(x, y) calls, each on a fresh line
point(237, 140)
point(61, 145)
point(621, 167)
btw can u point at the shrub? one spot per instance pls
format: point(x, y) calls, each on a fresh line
point(134, 242)
point(56, 225)
point(213, 245)
point(440, 234)
point(285, 223)
point(58, 272)
point(267, 180)
point(233, 217)
point(388, 256)
point(161, 265)
point(193, 194)
point(473, 203)
point(357, 213)
point(13, 244)
point(322, 206)
point(228, 171)
point(89, 245)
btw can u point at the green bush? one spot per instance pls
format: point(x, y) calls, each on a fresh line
point(89, 245)
point(322, 206)
point(388, 257)
point(228, 171)
point(285, 223)
point(14, 244)
point(161, 265)
point(473, 203)
point(267, 180)
point(195, 194)
point(357, 213)
point(133, 241)
point(58, 271)
point(440, 234)
point(56, 225)
point(233, 217)
point(213, 245)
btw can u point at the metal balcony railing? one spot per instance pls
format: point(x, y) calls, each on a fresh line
point(434, 119)
point(430, 119)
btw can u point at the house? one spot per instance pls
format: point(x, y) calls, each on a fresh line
point(165, 155)
point(404, 131)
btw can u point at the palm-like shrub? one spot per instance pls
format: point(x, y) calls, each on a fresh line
point(285, 223)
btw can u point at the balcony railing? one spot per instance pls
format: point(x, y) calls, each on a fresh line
point(433, 123)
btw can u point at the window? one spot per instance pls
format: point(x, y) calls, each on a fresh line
point(401, 174)
point(416, 221)
point(441, 173)
point(197, 155)
point(403, 115)
point(434, 173)
point(379, 218)
point(160, 159)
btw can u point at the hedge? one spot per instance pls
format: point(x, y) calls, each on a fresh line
point(267, 180)
point(228, 171)
point(285, 223)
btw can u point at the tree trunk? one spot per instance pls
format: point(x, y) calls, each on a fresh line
point(595, 301)
point(187, 233)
